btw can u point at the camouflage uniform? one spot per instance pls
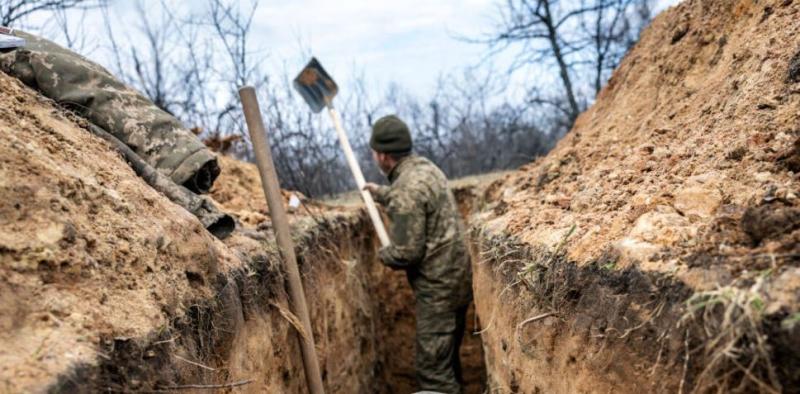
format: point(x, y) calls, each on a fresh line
point(95, 94)
point(427, 243)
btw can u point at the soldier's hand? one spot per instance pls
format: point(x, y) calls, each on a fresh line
point(385, 257)
point(371, 187)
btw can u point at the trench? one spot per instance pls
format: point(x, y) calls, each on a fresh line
point(243, 339)
point(567, 328)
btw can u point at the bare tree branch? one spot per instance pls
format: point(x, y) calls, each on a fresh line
point(12, 11)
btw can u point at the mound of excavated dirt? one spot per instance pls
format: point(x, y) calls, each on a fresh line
point(681, 179)
point(87, 250)
point(238, 190)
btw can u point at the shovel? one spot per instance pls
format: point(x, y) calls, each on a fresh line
point(318, 90)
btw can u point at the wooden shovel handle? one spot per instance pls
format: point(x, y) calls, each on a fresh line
point(272, 191)
point(359, 176)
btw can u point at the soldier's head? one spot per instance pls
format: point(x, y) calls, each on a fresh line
point(390, 142)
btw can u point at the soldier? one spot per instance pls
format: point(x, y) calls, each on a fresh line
point(427, 244)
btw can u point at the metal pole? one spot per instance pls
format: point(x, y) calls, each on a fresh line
point(269, 181)
point(359, 176)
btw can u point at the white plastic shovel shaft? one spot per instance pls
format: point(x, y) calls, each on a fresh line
point(359, 176)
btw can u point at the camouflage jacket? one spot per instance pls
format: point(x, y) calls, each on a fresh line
point(426, 233)
point(91, 91)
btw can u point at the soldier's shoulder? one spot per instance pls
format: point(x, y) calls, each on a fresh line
point(424, 168)
point(422, 178)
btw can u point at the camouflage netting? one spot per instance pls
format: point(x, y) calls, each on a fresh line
point(95, 94)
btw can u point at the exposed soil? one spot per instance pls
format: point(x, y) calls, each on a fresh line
point(105, 285)
point(238, 189)
point(655, 249)
point(76, 269)
point(680, 178)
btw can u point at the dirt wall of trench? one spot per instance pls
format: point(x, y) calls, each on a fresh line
point(655, 249)
point(361, 312)
point(569, 329)
point(246, 333)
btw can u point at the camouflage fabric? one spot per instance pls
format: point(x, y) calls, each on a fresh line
point(91, 91)
point(427, 242)
point(439, 336)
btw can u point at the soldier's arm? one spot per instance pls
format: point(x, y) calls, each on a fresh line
point(379, 192)
point(407, 211)
point(382, 194)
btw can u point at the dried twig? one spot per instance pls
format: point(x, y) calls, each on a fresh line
point(535, 318)
point(166, 340)
point(206, 386)
point(685, 361)
point(293, 320)
point(194, 363)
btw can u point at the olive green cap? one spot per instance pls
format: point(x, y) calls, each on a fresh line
point(390, 135)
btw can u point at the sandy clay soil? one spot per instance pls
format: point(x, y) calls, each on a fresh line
point(658, 245)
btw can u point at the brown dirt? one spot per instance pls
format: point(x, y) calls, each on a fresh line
point(238, 190)
point(75, 268)
point(105, 285)
point(682, 174)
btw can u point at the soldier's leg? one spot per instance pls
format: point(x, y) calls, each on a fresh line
point(435, 351)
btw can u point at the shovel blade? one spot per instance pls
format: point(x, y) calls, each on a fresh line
point(315, 85)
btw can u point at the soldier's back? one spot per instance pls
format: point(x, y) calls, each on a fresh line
point(443, 279)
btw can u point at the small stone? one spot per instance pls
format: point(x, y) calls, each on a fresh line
point(763, 177)
point(662, 226)
point(51, 234)
point(661, 153)
point(698, 201)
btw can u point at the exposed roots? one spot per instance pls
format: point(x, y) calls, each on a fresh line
point(293, 320)
point(734, 346)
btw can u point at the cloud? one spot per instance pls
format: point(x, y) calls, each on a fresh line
point(409, 43)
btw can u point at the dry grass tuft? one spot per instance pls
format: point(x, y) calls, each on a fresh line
point(734, 346)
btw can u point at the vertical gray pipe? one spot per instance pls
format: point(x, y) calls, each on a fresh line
point(269, 181)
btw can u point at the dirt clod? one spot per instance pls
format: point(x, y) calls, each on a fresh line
point(770, 220)
point(794, 68)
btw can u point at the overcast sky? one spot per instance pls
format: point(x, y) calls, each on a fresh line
point(410, 42)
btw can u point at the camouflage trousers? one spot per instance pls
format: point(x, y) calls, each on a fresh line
point(439, 336)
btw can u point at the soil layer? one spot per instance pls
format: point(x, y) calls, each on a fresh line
point(659, 241)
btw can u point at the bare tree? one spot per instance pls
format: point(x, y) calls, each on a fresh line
point(12, 11)
point(231, 26)
point(569, 36)
point(75, 37)
point(610, 31)
point(465, 131)
point(153, 70)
